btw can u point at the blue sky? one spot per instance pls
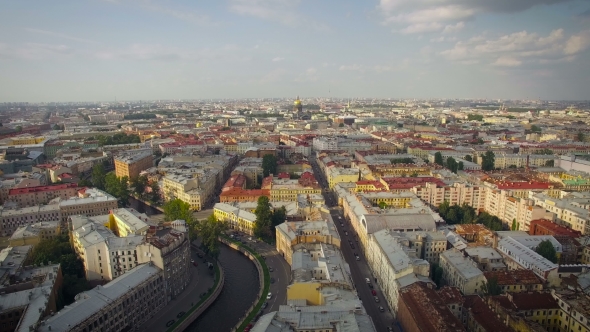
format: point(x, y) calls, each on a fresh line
point(99, 50)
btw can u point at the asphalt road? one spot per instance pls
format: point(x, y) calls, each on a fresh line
point(359, 269)
point(281, 271)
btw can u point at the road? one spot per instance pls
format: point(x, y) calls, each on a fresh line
point(281, 271)
point(359, 269)
point(201, 281)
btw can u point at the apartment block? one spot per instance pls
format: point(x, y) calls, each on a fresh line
point(236, 218)
point(570, 209)
point(131, 164)
point(461, 272)
point(31, 196)
point(518, 256)
point(289, 234)
point(33, 233)
point(428, 245)
point(12, 219)
point(141, 292)
point(515, 281)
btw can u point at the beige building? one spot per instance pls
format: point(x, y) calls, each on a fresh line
point(236, 218)
point(33, 233)
point(12, 219)
point(89, 202)
point(289, 234)
point(194, 189)
point(461, 272)
point(130, 165)
point(31, 196)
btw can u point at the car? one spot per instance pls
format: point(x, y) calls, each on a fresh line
point(376, 299)
point(192, 260)
point(358, 258)
point(352, 246)
point(389, 329)
point(341, 224)
point(370, 285)
point(381, 309)
point(264, 305)
point(200, 255)
point(367, 280)
point(270, 269)
point(169, 323)
point(346, 233)
point(269, 296)
point(272, 280)
point(180, 314)
point(374, 292)
point(195, 264)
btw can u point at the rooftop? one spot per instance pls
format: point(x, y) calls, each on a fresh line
point(463, 265)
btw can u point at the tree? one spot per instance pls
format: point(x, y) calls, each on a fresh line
point(176, 209)
point(488, 160)
point(210, 229)
point(452, 164)
point(18, 128)
point(98, 176)
point(269, 165)
point(382, 205)
point(436, 272)
point(468, 158)
point(546, 151)
point(460, 166)
point(118, 187)
point(444, 207)
point(546, 249)
point(474, 117)
point(491, 287)
point(154, 196)
point(438, 159)
point(341, 125)
point(56, 127)
point(402, 161)
point(279, 216)
point(550, 163)
point(580, 137)
point(85, 183)
point(263, 218)
point(512, 166)
point(480, 141)
point(514, 225)
point(139, 184)
point(535, 129)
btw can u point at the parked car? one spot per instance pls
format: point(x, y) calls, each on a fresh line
point(374, 292)
point(346, 233)
point(381, 309)
point(352, 246)
point(272, 280)
point(389, 329)
point(376, 299)
point(367, 280)
point(269, 296)
point(358, 258)
point(270, 269)
point(264, 305)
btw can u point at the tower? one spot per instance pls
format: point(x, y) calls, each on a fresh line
point(297, 108)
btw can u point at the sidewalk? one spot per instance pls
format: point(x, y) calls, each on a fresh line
point(201, 281)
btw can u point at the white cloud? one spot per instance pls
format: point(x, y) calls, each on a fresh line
point(60, 35)
point(35, 51)
point(281, 11)
point(448, 15)
point(577, 43)
point(309, 75)
point(278, 59)
point(507, 62)
point(165, 9)
point(421, 27)
point(454, 28)
point(519, 48)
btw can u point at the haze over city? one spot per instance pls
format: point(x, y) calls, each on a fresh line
point(151, 49)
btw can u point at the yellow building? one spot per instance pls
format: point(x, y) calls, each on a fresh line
point(131, 165)
point(34, 233)
point(289, 234)
point(310, 292)
point(236, 218)
point(127, 223)
point(337, 175)
point(26, 139)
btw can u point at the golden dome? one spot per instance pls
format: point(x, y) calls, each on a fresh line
point(297, 101)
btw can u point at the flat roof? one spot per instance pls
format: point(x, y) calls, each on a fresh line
point(463, 265)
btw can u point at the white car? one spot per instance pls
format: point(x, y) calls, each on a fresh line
point(269, 296)
point(368, 280)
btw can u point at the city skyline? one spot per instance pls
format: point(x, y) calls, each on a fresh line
point(150, 50)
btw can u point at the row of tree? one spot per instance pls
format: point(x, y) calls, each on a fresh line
point(465, 214)
point(269, 165)
point(450, 163)
point(402, 161)
point(119, 138)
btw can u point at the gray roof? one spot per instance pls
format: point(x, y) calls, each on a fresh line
point(398, 222)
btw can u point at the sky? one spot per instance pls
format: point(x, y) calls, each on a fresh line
point(105, 50)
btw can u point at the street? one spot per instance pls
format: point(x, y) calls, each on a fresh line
point(281, 271)
point(359, 269)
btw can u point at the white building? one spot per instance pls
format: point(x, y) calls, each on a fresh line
point(461, 272)
point(519, 256)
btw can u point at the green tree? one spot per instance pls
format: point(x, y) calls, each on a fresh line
point(210, 229)
point(491, 287)
point(269, 165)
point(535, 129)
point(475, 117)
point(546, 151)
point(580, 137)
point(438, 159)
point(154, 195)
point(514, 225)
point(468, 158)
point(56, 127)
point(436, 273)
point(550, 163)
point(263, 223)
point(460, 166)
point(98, 176)
point(18, 128)
point(341, 125)
point(176, 209)
point(488, 160)
point(382, 205)
point(85, 183)
point(139, 184)
point(443, 208)
point(546, 249)
point(118, 187)
point(279, 216)
point(452, 164)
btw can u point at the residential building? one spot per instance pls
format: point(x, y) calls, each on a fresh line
point(523, 309)
point(141, 292)
point(547, 227)
point(131, 164)
point(89, 202)
point(518, 256)
point(392, 266)
point(303, 318)
point(290, 234)
point(421, 309)
point(515, 281)
point(288, 190)
point(487, 259)
point(236, 218)
point(570, 209)
point(31, 196)
point(12, 219)
point(461, 272)
point(575, 314)
point(428, 245)
point(477, 316)
point(33, 233)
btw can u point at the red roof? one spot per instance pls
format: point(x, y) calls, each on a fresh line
point(18, 191)
point(284, 175)
point(523, 185)
point(245, 192)
point(410, 182)
point(544, 226)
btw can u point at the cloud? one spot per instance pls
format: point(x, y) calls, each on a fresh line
point(281, 11)
point(164, 9)
point(274, 75)
point(507, 62)
point(577, 43)
point(60, 35)
point(415, 15)
point(454, 28)
point(374, 68)
point(34, 51)
point(278, 59)
point(519, 48)
point(309, 75)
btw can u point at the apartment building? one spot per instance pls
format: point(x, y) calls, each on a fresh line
point(518, 256)
point(106, 117)
point(236, 218)
point(289, 234)
point(515, 281)
point(89, 202)
point(33, 233)
point(141, 292)
point(570, 209)
point(524, 311)
point(393, 266)
point(461, 272)
point(507, 160)
point(190, 188)
point(31, 196)
point(336, 175)
point(284, 190)
point(12, 219)
point(131, 164)
point(428, 245)
point(574, 315)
